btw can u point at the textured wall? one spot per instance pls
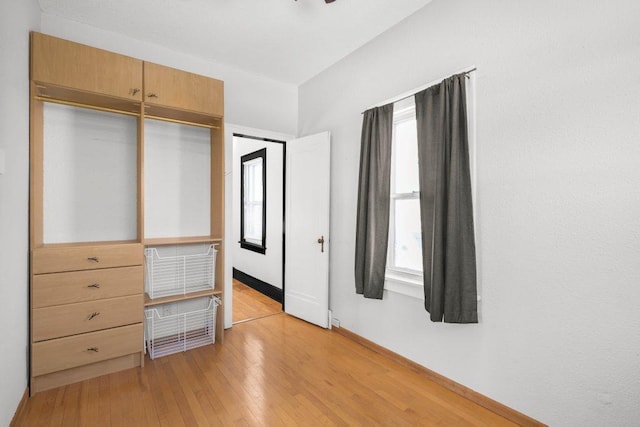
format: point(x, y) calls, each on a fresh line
point(17, 18)
point(558, 199)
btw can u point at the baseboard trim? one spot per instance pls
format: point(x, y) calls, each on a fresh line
point(257, 284)
point(20, 409)
point(475, 397)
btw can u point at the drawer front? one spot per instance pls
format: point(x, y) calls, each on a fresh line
point(88, 257)
point(69, 352)
point(79, 286)
point(70, 319)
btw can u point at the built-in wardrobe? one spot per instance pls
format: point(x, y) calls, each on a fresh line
point(126, 178)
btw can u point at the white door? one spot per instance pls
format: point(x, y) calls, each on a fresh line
point(306, 272)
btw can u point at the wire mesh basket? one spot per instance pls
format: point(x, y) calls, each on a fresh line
point(180, 326)
point(179, 274)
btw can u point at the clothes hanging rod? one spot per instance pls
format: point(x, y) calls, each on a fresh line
point(87, 106)
point(182, 122)
point(412, 92)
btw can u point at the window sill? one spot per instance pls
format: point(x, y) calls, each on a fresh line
point(253, 247)
point(405, 284)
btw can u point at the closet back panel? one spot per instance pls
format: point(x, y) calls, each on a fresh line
point(90, 175)
point(177, 180)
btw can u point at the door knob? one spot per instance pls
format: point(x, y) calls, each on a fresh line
point(321, 242)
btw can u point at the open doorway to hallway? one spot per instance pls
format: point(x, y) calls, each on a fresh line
point(258, 227)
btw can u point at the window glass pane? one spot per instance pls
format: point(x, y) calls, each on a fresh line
point(253, 222)
point(408, 237)
point(405, 157)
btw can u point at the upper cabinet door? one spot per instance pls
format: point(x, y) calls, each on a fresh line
point(75, 66)
point(168, 87)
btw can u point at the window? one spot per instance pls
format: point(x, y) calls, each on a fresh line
point(404, 256)
point(404, 262)
point(253, 198)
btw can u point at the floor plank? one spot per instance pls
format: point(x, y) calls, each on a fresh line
point(273, 371)
point(249, 304)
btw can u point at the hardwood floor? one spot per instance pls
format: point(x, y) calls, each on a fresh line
point(249, 304)
point(273, 371)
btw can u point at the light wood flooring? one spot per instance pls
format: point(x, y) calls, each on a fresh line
point(249, 304)
point(273, 371)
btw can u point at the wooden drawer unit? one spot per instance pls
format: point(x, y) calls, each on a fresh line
point(70, 319)
point(169, 87)
point(90, 285)
point(72, 65)
point(78, 350)
point(55, 259)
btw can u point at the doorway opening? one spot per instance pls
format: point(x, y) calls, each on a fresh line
point(258, 218)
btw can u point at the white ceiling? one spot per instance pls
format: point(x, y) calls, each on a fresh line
point(286, 40)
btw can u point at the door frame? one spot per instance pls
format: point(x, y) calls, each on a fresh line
point(284, 194)
point(245, 131)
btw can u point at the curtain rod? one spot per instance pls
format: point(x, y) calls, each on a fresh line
point(423, 87)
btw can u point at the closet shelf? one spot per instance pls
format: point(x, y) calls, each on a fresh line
point(77, 244)
point(148, 302)
point(160, 241)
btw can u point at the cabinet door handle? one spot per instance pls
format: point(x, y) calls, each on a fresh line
point(94, 285)
point(93, 258)
point(321, 242)
point(152, 95)
point(94, 314)
point(134, 91)
point(94, 349)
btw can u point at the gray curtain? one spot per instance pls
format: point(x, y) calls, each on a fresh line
point(372, 228)
point(448, 245)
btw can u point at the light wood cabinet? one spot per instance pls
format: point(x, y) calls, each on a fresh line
point(168, 87)
point(87, 298)
point(75, 66)
point(75, 294)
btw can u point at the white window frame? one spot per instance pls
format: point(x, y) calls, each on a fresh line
point(408, 282)
point(398, 279)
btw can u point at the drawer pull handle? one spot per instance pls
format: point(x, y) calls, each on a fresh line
point(95, 285)
point(152, 95)
point(94, 349)
point(94, 314)
point(93, 258)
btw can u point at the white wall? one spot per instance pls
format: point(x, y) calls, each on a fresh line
point(90, 175)
point(268, 266)
point(250, 99)
point(17, 18)
point(558, 199)
point(177, 177)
